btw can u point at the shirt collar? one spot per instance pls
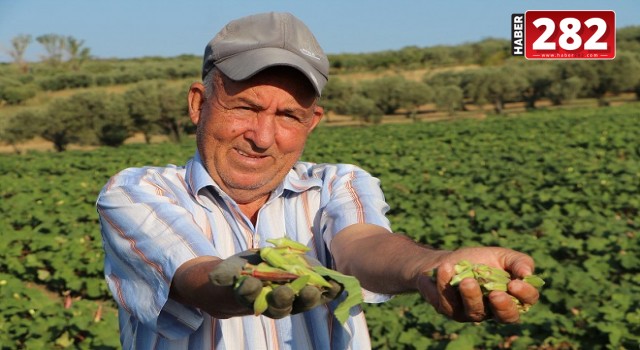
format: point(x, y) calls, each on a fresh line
point(197, 176)
point(298, 179)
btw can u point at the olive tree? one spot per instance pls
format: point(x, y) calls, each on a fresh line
point(449, 98)
point(416, 94)
point(157, 108)
point(443, 85)
point(173, 110)
point(111, 126)
point(395, 92)
point(142, 106)
point(496, 85)
point(336, 97)
point(23, 126)
point(61, 123)
point(387, 92)
point(365, 109)
point(540, 76)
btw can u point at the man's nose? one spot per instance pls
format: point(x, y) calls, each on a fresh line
point(263, 130)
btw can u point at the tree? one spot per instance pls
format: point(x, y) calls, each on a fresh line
point(142, 106)
point(63, 123)
point(19, 46)
point(15, 92)
point(386, 92)
point(365, 109)
point(156, 107)
point(77, 54)
point(23, 126)
point(336, 96)
point(540, 77)
point(416, 94)
point(106, 115)
point(496, 85)
point(563, 90)
point(449, 98)
point(628, 39)
point(443, 82)
point(394, 92)
point(173, 110)
point(54, 45)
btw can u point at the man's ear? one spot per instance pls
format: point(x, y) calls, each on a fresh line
point(196, 99)
point(318, 113)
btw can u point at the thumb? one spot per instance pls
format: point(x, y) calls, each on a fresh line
point(428, 287)
point(519, 264)
point(433, 286)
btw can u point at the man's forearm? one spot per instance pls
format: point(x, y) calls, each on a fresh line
point(383, 262)
point(191, 286)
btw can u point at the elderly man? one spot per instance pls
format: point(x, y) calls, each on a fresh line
point(166, 228)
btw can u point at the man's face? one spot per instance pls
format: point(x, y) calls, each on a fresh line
point(250, 133)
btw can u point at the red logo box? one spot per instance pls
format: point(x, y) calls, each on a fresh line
point(568, 35)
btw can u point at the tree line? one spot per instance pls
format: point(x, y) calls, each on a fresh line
point(517, 80)
point(96, 118)
point(155, 101)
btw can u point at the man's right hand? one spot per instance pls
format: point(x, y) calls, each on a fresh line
point(281, 300)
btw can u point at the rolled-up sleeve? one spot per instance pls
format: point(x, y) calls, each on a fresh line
point(146, 236)
point(352, 196)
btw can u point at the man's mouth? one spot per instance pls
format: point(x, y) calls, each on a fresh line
point(257, 156)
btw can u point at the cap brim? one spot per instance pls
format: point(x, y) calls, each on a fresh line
point(246, 64)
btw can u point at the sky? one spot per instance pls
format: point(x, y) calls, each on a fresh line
point(138, 28)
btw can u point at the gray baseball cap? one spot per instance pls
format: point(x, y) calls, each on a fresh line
point(250, 44)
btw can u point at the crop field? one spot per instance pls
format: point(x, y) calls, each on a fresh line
point(563, 186)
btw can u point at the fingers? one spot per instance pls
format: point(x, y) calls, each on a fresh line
point(248, 290)
point(503, 307)
point(449, 300)
point(308, 298)
point(476, 292)
point(467, 302)
point(519, 264)
point(280, 302)
point(524, 292)
point(475, 309)
point(226, 272)
point(445, 298)
point(332, 292)
point(280, 280)
point(311, 296)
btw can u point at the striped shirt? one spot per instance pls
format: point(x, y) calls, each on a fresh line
point(154, 219)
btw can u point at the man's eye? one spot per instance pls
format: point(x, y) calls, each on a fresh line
point(292, 117)
point(244, 110)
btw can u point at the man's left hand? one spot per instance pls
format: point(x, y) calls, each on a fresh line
point(465, 302)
